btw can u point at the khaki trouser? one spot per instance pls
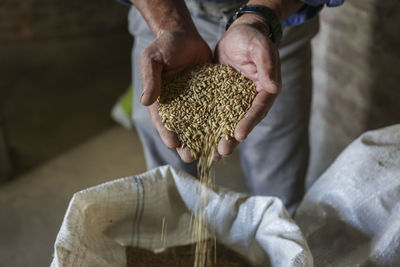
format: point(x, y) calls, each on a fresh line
point(274, 157)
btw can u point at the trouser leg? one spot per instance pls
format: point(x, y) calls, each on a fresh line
point(155, 151)
point(275, 155)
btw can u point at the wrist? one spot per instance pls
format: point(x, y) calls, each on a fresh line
point(253, 20)
point(261, 17)
point(188, 33)
point(166, 15)
point(175, 25)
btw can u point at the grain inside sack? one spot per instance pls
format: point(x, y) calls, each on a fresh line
point(202, 105)
point(181, 256)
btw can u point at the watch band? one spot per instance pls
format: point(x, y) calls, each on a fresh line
point(267, 14)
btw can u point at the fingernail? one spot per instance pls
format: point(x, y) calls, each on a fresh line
point(141, 97)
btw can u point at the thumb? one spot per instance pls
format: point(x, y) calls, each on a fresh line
point(150, 63)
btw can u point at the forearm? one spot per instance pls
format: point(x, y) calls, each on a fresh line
point(166, 15)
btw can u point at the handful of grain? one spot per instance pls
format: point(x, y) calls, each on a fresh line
point(203, 105)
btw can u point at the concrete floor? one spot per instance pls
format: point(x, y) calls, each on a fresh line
point(33, 205)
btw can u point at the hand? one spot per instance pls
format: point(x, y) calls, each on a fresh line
point(169, 54)
point(247, 48)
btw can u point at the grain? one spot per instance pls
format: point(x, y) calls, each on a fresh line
point(202, 105)
point(180, 256)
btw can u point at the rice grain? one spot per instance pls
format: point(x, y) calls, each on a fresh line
point(202, 105)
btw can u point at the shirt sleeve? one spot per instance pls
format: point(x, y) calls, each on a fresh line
point(309, 10)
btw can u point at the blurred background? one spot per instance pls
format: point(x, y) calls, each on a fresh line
point(63, 65)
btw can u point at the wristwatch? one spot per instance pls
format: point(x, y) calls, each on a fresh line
point(264, 12)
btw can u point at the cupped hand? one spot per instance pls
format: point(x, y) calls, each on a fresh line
point(169, 54)
point(247, 48)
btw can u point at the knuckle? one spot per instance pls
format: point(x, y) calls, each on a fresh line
point(273, 88)
point(144, 56)
point(240, 135)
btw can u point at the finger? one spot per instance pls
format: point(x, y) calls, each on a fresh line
point(185, 154)
point(169, 138)
point(217, 156)
point(258, 110)
point(151, 67)
point(266, 59)
point(226, 147)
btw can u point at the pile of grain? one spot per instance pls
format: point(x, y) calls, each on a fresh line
point(203, 105)
point(181, 256)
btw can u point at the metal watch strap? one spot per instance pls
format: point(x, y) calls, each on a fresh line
point(266, 13)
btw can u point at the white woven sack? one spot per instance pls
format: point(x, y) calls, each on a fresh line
point(102, 220)
point(351, 215)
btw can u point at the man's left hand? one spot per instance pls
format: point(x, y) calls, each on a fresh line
point(247, 48)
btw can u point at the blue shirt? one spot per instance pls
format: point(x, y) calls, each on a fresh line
point(309, 10)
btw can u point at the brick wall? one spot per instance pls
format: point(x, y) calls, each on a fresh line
point(356, 76)
point(44, 19)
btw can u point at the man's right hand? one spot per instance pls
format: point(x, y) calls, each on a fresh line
point(168, 55)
